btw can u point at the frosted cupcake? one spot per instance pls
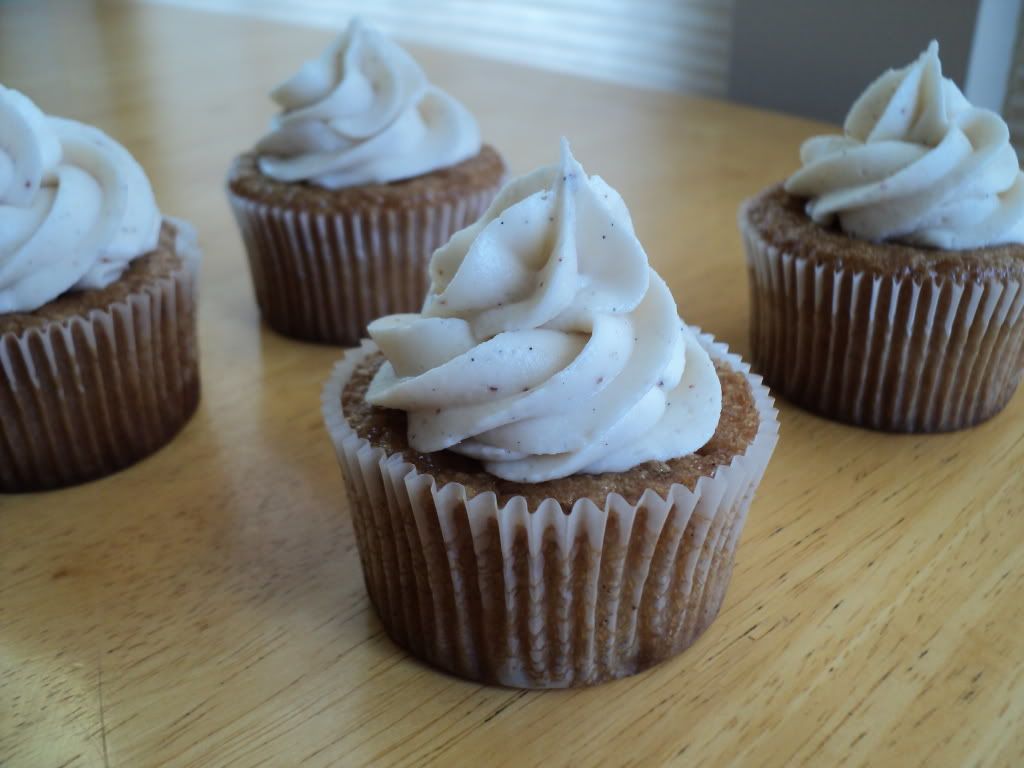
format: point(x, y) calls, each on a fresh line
point(367, 170)
point(886, 274)
point(548, 471)
point(98, 360)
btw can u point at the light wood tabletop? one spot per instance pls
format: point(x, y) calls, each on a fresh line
point(206, 607)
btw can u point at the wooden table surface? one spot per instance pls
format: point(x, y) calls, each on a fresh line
point(206, 608)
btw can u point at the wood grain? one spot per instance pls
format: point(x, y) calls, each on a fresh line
point(205, 608)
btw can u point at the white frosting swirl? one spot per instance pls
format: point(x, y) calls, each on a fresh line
point(364, 113)
point(547, 345)
point(918, 164)
point(75, 207)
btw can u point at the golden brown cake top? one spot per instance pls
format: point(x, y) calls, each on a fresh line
point(386, 428)
point(162, 262)
point(484, 171)
point(779, 219)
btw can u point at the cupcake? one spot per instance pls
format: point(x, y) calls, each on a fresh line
point(98, 361)
point(887, 274)
point(365, 172)
point(547, 470)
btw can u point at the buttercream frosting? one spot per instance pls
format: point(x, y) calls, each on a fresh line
point(364, 113)
point(75, 206)
point(547, 345)
point(917, 163)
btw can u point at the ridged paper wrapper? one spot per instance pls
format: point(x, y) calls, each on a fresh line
point(542, 596)
point(921, 353)
point(325, 275)
point(85, 397)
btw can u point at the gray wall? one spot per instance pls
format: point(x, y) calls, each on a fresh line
point(814, 57)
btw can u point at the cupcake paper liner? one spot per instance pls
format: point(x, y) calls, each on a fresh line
point(324, 276)
point(902, 354)
point(85, 397)
point(543, 597)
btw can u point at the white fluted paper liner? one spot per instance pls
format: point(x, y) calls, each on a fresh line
point(324, 276)
point(543, 597)
point(85, 397)
point(913, 354)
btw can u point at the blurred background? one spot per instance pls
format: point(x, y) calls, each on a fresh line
point(804, 57)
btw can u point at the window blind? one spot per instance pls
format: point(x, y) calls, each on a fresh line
point(680, 45)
